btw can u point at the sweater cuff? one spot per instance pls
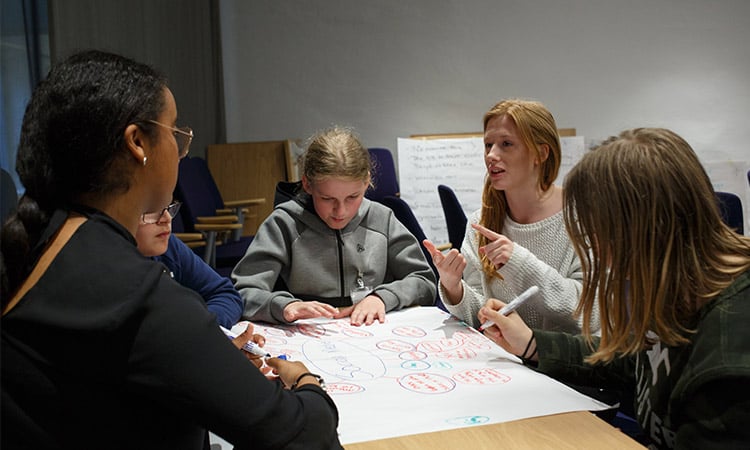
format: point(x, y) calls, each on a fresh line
point(388, 298)
point(278, 303)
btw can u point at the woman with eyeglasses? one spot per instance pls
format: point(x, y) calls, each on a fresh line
point(155, 239)
point(100, 347)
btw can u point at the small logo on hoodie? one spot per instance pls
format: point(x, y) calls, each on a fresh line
point(360, 248)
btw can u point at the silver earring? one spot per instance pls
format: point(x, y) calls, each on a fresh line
point(144, 160)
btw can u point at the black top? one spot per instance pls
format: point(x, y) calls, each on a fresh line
point(108, 351)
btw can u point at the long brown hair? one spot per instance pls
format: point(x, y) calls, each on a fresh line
point(643, 217)
point(536, 127)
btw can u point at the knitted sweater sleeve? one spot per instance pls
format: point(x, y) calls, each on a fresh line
point(473, 292)
point(560, 285)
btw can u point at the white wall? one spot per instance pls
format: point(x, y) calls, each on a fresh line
point(392, 68)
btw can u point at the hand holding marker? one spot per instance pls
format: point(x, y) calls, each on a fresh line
point(510, 307)
point(249, 346)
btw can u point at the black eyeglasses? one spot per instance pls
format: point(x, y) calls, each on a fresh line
point(183, 136)
point(155, 217)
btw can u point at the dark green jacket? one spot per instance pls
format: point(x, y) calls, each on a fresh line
point(692, 396)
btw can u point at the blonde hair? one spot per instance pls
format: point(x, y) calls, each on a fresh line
point(536, 127)
point(335, 153)
point(643, 217)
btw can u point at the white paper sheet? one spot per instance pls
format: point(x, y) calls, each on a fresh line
point(423, 164)
point(420, 371)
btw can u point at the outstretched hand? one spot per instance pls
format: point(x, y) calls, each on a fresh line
point(450, 267)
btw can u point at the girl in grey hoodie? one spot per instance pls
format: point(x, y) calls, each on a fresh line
point(330, 252)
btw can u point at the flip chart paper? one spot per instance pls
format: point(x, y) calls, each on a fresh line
point(420, 371)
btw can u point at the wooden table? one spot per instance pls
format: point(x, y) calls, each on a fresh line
point(573, 430)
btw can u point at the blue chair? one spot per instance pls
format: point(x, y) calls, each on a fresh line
point(455, 217)
point(204, 211)
point(730, 207)
point(384, 178)
point(405, 215)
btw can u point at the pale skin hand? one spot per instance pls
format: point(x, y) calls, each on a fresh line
point(366, 311)
point(500, 248)
point(509, 332)
point(308, 310)
point(450, 267)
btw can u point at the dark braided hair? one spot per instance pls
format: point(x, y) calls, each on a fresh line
point(72, 144)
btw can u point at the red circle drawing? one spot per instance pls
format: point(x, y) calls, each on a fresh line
point(275, 340)
point(343, 388)
point(427, 383)
point(481, 377)
point(458, 353)
point(440, 345)
point(409, 331)
point(394, 345)
point(356, 332)
point(311, 329)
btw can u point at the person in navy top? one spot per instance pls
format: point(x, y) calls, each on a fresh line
point(155, 239)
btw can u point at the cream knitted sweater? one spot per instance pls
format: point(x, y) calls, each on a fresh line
point(543, 256)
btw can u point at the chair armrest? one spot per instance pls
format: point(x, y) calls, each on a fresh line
point(192, 240)
point(188, 237)
point(245, 202)
point(218, 219)
point(217, 226)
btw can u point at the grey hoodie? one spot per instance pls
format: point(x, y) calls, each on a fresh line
point(296, 256)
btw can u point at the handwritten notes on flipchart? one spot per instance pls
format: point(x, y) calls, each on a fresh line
point(421, 359)
point(458, 163)
point(572, 149)
point(423, 164)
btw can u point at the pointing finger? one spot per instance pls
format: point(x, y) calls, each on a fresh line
point(486, 232)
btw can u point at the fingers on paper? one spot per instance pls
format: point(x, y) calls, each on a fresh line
point(310, 310)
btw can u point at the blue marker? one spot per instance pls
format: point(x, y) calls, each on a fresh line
point(250, 346)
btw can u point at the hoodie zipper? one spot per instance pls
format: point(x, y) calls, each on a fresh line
point(340, 244)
